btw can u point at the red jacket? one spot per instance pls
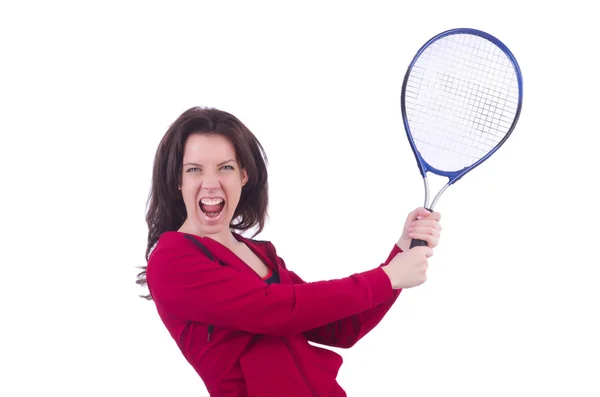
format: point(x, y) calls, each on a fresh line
point(248, 338)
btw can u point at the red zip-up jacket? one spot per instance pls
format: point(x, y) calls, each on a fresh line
point(249, 337)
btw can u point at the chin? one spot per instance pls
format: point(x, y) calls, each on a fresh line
point(213, 224)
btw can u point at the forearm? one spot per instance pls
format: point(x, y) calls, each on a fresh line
point(346, 332)
point(222, 297)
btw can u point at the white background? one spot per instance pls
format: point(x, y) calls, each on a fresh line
point(87, 90)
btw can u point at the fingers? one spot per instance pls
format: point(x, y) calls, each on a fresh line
point(423, 225)
point(433, 224)
point(432, 241)
point(431, 230)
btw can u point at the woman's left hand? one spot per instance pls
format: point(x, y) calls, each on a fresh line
point(422, 225)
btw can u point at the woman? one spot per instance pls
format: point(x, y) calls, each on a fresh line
point(240, 317)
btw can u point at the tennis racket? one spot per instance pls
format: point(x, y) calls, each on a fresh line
point(461, 99)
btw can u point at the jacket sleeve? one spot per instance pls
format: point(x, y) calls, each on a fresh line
point(196, 288)
point(346, 332)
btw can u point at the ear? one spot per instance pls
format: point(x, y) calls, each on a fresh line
point(244, 177)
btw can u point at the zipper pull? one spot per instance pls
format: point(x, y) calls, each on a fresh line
point(210, 330)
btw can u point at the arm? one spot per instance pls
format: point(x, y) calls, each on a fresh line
point(344, 333)
point(349, 330)
point(195, 288)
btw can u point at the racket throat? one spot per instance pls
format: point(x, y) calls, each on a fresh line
point(426, 201)
point(430, 207)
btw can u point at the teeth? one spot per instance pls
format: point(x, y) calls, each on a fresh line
point(211, 201)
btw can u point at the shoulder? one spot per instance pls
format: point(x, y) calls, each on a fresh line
point(176, 248)
point(172, 242)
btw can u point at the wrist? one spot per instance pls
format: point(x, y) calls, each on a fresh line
point(403, 245)
point(386, 270)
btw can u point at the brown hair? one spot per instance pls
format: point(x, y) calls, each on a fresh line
point(166, 209)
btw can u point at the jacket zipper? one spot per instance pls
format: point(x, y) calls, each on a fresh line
point(298, 365)
point(211, 327)
point(291, 349)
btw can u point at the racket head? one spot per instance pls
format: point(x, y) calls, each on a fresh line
point(464, 82)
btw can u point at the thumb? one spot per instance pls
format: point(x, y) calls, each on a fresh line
point(426, 251)
point(414, 214)
point(422, 212)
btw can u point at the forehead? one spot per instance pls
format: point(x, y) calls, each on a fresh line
point(208, 148)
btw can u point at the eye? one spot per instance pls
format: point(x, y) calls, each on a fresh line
point(193, 169)
point(227, 167)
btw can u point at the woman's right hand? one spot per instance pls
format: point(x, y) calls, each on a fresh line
point(409, 268)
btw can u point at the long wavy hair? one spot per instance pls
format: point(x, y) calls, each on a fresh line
point(165, 207)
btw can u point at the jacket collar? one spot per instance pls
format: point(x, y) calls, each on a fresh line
point(263, 249)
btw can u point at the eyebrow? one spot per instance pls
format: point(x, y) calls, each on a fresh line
point(220, 164)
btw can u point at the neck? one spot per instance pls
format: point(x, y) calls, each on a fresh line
point(224, 237)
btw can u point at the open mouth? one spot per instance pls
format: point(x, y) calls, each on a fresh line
point(212, 207)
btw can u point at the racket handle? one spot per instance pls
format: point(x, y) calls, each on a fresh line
point(417, 243)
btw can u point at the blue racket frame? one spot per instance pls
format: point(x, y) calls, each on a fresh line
point(424, 167)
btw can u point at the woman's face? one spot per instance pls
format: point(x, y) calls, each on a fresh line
point(211, 184)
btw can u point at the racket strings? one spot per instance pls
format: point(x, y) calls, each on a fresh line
point(461, 98)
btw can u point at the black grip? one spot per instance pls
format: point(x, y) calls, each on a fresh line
point(417, 243)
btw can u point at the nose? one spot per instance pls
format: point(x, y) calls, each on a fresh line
point(210, 183)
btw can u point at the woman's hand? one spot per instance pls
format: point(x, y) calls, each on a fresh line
point(421, 225)
point(409, 268)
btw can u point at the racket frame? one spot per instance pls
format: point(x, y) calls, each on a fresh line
point(424, 167)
